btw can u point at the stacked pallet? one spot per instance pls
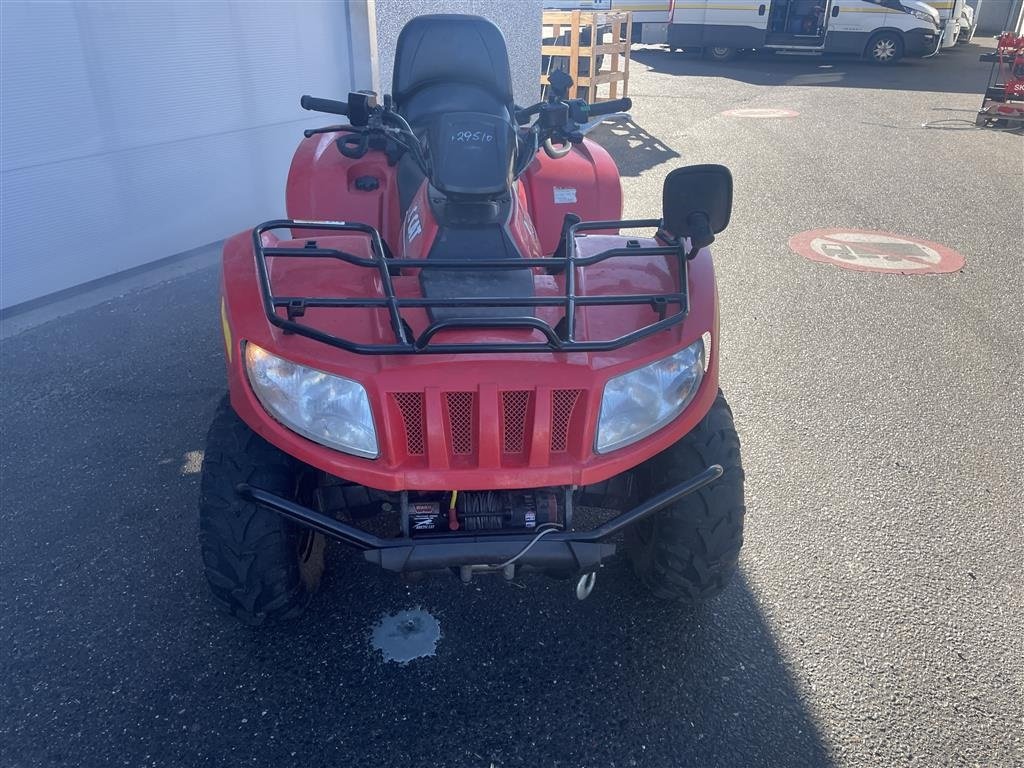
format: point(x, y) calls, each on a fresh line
point(582, 43)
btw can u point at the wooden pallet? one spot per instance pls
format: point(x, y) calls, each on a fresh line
point(615, 53)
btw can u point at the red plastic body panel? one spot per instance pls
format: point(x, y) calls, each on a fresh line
point(468, 421)
point(321, 187)
point(584, 182)
point(443, 420)
point(419, 229)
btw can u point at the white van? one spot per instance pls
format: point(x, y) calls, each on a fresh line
point(968, 23)
point(882, 31)
point(650, 17)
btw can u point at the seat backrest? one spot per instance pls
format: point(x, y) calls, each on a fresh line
point(451, 63)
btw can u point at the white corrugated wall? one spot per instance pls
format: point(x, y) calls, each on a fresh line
point(518, 20)
point(133, 131)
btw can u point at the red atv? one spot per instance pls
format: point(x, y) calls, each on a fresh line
point(449, 350)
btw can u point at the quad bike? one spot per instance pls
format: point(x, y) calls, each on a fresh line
point(449, 352)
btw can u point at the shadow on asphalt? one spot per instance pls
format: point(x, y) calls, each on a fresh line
point(633, 148)
point(951, 71)
point(115, 655)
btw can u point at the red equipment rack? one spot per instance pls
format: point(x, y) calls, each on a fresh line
point(1003, 105)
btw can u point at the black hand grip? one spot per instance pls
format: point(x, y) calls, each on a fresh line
point(610, 107)
point(324, 105)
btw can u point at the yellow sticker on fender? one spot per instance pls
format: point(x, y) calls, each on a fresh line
point(225, 327)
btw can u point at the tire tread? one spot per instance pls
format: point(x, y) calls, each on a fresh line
point(694, 546)
point(249, 553)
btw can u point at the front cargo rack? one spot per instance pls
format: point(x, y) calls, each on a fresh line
point(560, 338)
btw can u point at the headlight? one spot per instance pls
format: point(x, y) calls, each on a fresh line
point(330, 410)
point(639, 403)
point(925, 17)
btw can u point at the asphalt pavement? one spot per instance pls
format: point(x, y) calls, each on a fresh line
point(877, 617)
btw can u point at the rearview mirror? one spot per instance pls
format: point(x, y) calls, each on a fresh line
point(696, 203)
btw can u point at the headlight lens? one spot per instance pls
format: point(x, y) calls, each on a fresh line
point(330, 410)
point(639, 403)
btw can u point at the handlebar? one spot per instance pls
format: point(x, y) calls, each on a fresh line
point(324, 105)
point(611, 107)
point(523, 115)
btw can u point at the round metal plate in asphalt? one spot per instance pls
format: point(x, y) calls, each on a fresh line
point(871, 251)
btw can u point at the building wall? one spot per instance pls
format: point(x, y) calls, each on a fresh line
point(133, 131)
point(519, 20)
point(994, 14)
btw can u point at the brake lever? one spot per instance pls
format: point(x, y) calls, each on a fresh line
point(327, 129)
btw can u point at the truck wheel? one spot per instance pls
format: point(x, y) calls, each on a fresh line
point(260, 567)
point(689, 551)
point(720, 53)
point(884, 48)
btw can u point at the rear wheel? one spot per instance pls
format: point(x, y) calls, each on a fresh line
point(720, 53)
point(689, 551)
point(884, 48)
point(260, 567)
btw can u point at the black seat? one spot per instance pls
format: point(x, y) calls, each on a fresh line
point(451, 63)
point(445, 65)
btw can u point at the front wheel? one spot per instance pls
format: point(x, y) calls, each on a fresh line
point(260, 567)
point(720, 53)
point(689, 551)
point(884, 48)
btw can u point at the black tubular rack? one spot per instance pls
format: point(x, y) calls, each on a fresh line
point(561, 338)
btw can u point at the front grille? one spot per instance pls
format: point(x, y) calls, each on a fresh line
point(413, 417)
point(563, 402)
point(460, 420)
point(514, 407)
point(459, 411)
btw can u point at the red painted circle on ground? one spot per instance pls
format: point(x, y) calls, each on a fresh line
point(866, 250)
point(761, 113)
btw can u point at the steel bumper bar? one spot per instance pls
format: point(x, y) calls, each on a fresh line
point(566, 551)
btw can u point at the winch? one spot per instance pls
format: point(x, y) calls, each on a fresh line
point(485, 511)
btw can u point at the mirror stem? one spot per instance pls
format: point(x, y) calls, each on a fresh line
point(700, 225)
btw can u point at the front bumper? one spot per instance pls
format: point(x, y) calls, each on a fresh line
point(922, 42)
point(558, 551)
